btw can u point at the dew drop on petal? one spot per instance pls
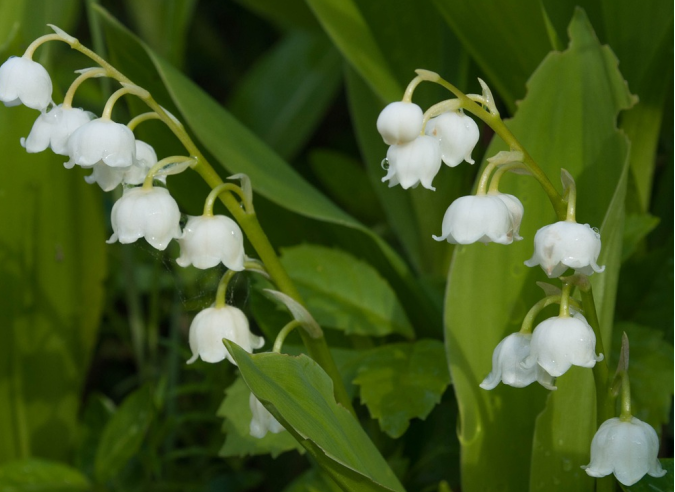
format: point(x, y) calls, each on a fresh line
point(385, 164)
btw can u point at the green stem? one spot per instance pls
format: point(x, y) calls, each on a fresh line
point(484, 178)
point(496, 123)
point(147, 183)
point(70, 94)
point(137, 120)
point(625, 398)
point(215, 192)
point(285, 331)
point(222, 288)
point(110, 103)
point(407, 95)
point(317, 347)
point(497, 176)
point(565, 301)
point(528, 321)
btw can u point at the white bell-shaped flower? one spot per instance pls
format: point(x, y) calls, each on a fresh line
point(263, 421)
point(23, 81)
point(53, 128)
point(558, 343)
point(108, 178)
point(564, 245)
point(210, 240)
point(413, 163)
point(507, 368)
point(150, 213)
point(458, 135)
point(628, 449)
point(400, 122)
point(484, 218)
point(516, 210)
point(101, 140)
point(213, 324)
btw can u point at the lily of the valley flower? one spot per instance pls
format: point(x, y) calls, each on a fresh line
point(564, 245)
point(558, 343)
point(263, 421)
point(108, 178)
point(507, 368)
point(210, 240)
point(494, 217)
point(53, 128)
point(151, 213)
point(400, 122)
point(413, 163)
point(458, 135)
point(23, 81)
point(627, 448)
point(101, 140)
point(213, 324)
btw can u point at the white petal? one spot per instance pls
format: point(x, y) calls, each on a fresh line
point(471, 218)
point(23, 80)
point(208, 241)
point(414, 162)
point(102, 140)
point(400, 122)
point(262, 421)
point(458, 135)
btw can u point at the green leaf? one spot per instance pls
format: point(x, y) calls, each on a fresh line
point(34, 475)
point(300, 395)
point(652, 484)
point(284, 111)
point(506, 40)
point(636, 228)
point(344, 292)
point(312, 481)
point(124, 433)
point(650, 370)
point(288, 14)
point(163, 24)
point(347, 183)
point(490, 290)
point(238, 441)
point(343, 22)
point(402, 381)
point(52, 267)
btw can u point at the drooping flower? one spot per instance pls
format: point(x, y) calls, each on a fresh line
point(53, 128)
point(263, 421)
point(558, 343)
point(484, 218)
point(213, 324)
point(564, 245)
point(400, 122)
point(627, 448)
point(413, 163)
point(101, 140)
point(108, 178)
point(151, 213)
point(23, 81)
point(507, 368)
point(210, 240)
point(458, 135)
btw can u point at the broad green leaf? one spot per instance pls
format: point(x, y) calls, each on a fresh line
point(284, 111)
point(96, 413)
point(52, 266)
point(507, 40)
point(239, 151)
point(347, 183)
point(124, 433)
point(238, 440)
point(288, 14)
point(490, 289)
point(34, 475)
point(344, 23)
point(344, 292)
point(300, 395)
point(650, 371)
point(637, 227)
point(651, 484)
point(163, 24)
point(402, 381)
point(312, 481)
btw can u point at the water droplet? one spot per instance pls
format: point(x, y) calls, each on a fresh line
point(385, 164)
point(567, 464)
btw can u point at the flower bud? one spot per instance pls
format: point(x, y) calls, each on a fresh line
point(150, 213)
point(263, 421)
point(507, 368)
point(484, 218)
point(458, 135)
point(413, 163)
point(208, 241)
point(559, 343)
point(213, 324)
point(53, 128)
point(103, 141)
point(23, 81)
point(566, 245)
point(628, 449)
point(400, 122)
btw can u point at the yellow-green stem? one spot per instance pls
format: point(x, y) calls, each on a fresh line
point(222, 288)
point(215, 192)
point(528, 321)
point(137, 120)
point(565, 300)
point(571, 203)
point(625, 397)
point(110, 103)
point(70, 94)
point(497, 176)
point(407, 95)
point(285, 331)
point(484, 178)
point(147, 184)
